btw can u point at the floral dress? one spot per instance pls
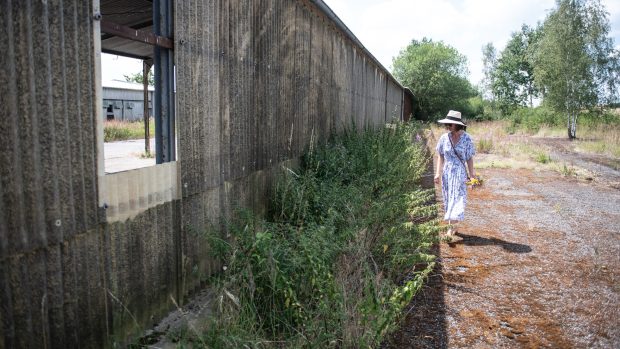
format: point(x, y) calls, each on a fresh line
point(453, 187)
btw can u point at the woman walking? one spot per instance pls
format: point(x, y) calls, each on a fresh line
point(455, 151)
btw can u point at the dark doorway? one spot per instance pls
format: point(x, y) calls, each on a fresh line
point(110, 112)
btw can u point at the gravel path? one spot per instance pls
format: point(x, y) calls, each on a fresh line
point(535, 265)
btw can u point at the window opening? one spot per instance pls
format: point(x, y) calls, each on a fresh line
point(137, 83)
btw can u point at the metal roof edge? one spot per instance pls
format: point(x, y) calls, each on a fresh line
point(124, 85)
point(340, 24)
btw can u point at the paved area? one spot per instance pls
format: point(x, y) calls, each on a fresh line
point(127, 155)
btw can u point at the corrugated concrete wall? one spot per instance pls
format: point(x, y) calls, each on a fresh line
point(51, 260)
point(258, 82)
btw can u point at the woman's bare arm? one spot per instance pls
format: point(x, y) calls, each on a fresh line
point(439, 169)
point(470, 165)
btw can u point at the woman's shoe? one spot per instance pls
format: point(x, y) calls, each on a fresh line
point(449, 235)
point(449, 238)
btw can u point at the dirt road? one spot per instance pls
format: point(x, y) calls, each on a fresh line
point(535, 265)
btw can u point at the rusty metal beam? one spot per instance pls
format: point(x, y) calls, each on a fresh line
point(136, 35)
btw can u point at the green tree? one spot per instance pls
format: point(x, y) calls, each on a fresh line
point(575, 64)
point(436, 74)
point(513, 77)
point(138, 78)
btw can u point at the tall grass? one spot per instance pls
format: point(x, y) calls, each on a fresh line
point(603, 138)
point(114, 130)
point(532, 119)
point(596, 133)
point(325, 267)
point(485, 145)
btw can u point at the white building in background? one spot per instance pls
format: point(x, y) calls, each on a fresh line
point(124, 101)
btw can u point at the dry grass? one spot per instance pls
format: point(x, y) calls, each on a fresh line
point(502, 150)
point(496, 148)
point(599, 139)
point(594, 139)
point(114, 130)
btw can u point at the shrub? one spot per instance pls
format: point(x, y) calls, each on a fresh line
point(543, 158)
point(485, 146)
point(475, 109)
point(325, 267)
point(531, 119)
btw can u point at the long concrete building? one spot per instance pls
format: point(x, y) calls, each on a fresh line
point(88, 259)
point(124, 101)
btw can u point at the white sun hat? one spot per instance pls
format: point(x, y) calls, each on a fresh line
point(453, 117)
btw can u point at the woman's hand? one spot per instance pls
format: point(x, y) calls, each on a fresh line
point(437, 178)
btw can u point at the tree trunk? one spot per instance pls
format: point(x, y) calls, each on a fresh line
point(572, 125)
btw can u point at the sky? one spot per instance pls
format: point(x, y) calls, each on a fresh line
point(385, 27)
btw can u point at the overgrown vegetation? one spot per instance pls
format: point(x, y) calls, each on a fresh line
point(532, 119)
point(343, 249)
point(599, 132)
point(484, 146)
point(124, 130)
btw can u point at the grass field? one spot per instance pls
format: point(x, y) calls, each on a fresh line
point(500, 145)
point(124, 130)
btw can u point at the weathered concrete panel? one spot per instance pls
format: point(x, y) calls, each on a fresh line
point(49, 192)
point(90, 290)
point(286, 57)
point(394, 101)
point(141, 271)
point(301, 87)
point(7, 323)
point(258, 82)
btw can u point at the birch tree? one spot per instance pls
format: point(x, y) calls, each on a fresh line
point(489, 64)
point(575, 64)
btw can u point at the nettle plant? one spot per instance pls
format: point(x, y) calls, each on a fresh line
point(344, 248)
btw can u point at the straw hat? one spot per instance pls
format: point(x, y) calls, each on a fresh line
point(453, 117)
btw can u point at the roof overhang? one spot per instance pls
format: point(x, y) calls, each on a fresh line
point(121, 17)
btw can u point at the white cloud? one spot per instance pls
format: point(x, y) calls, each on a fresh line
point(386, 26)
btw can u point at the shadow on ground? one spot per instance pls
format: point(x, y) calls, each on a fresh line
point(473, 240)
point(425, 324)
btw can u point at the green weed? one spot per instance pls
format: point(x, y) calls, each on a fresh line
point(324, 268)
point(485, 146)
point(543, 158)
point(147, 155)
point(567, 171)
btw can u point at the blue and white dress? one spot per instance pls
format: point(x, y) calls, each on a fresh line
point(453, 187)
